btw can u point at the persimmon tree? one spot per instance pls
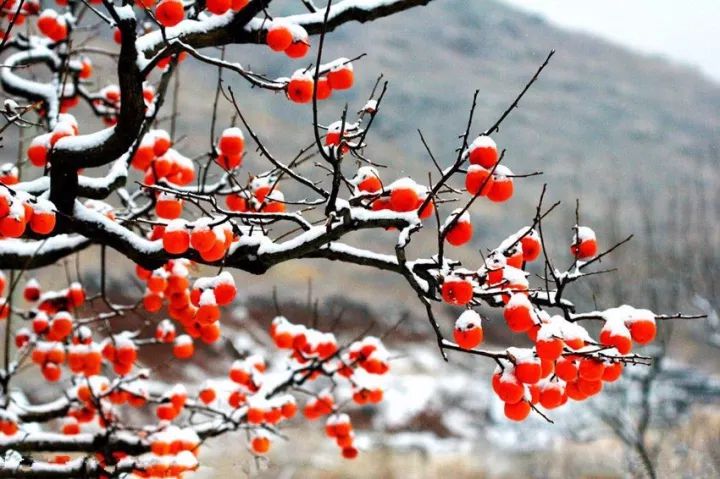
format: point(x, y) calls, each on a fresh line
point(189, 222)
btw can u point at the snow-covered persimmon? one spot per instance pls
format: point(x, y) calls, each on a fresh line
point(279, 36)
point(483, 152)
point(584, 245)
point(300, 87)
point(341, 76)
point(468, 332)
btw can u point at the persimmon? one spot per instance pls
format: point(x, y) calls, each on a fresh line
point(551, 394)
point(42, 222)
point(584, 245)
point(643, 330)
point(367, 179)
point(297, 49)
point(202, 237)
point(549, 348)
point(404, 196)
point(566, 369)
point(461, 232)
point(528, 370)
point(483, 152)
point(168, 206)
point(161, 139)
point(507, 387)
point(166, 412)
point(37, 152)
point(279, 37)
point(218, 7)
point(612, 371)
point(589, 387)
point(12, 226)
point(51, 372)
point(236, 399)
point(502, 185)
point(531, 246)
point(591, 369)
point(236, 202)
point(260, 444)
point(478, 180)
point(183, 347)
point(225, 293)
point(176, 239)
point(425, 212)
point(207, 395)
point(518, 411)
point(341, 76)
point(238, 5)
point(232, 142)
point(518, 313)
point(170, 12)
point(468, 332)
point(616, 335)
point(61, 324)
point(300, 87)
point(31, 292)
point(349, 452)
point(457, 291)
point(323, 91)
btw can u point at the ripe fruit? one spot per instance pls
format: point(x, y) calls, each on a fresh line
point(456, 290)
point(260, 444)
point(531, 246)
point(519, 314)
point(37, 152)
point(551, 394)
point(236, 202)
point(183, 347)
point(502, 185)
point(298, 49)
point(168, 206)
point(518, 411)
point(404, 195)
point(232, 142)
point(31, 292)
point(279, 37)
point(548, 348)
point(643, 329)
point(612, 372)
point(468, 331)
point(42, 222)
point(566, 369)
point(300, 87)
point(176, 239)
point(584, 244)
point(341, 76)
point(478, 177)
point(218, 7)
point(528, 370)
point(461, 232)
point(483, 152)
point(616, 335)
point(591, 369)
point(169, 12)
point(324, 91)
point(367, 179)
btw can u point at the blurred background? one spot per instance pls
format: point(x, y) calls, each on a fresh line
point(626, 119)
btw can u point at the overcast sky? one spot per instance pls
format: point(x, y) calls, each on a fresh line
point(685, 31)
